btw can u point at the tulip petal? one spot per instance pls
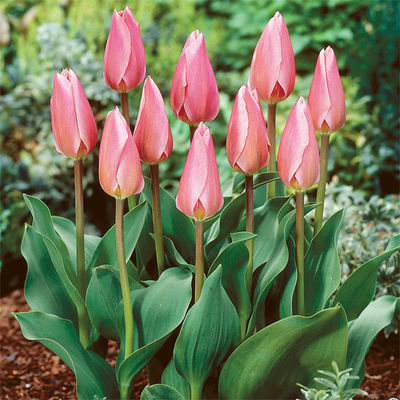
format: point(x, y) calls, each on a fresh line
point(179, 83)
point(65, 126)
point(118, 51)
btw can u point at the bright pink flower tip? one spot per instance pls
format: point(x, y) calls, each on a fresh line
point(298, 154)
point(152, 133)
point(326, 96)
point(272, 70)
point(72, 119)
point(120, 172)
point(199, 195)
point(124, 60)
point(194, 91)
point(247, 144)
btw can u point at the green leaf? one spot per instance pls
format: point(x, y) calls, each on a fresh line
point(44, 288)
point(271, 362)
point(171, 377)
point(362, 332)
point(94, 377)
point(210, 329)
point(158, 310)
point(160, 392)
point(174, 257)
point(105, 252)
point(277, 262)
point(322, 266)
point(359, 288)
point(176, 225)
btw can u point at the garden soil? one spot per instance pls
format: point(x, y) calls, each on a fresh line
point(29, 371)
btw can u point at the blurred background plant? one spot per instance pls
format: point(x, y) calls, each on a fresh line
point(38, 37)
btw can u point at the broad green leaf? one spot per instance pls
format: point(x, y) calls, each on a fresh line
point(176, 225)
point(105, 252)
point(44, 288)
point(359, 288)
point(209, 331)
point(171, 377)
point(43, 224)
point(66, 230)
point(362, 332)
point(271, 362)
point(160, 392)
point(94, 377)
point(322, 266)
point(158, 310)
point(174, 258)
point(277, 262)
point(103, 298)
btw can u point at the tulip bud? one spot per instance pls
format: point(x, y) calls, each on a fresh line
point(247, 144)
point(298, 156)
point(72, 119)
point(326, 97)
point(194, 91)
point(272, 70)
point(124, 63)
point(199, 194)
point(120, 171)
point(152, 132)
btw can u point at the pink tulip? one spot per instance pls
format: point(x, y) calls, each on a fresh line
point(272, 70)
point(124, 63)
point(326, 97)
point(152, 132)
point(120, 171)
point(72, 119)
point(194, 91)
point(298, 156)
point(199, 194)
point(247, 144)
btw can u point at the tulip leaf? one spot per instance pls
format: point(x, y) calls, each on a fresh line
point(105, 252)
point(175, 259)
point(160, 392)
point(94, 377)
point(322, 266)
point(209, 331)
point(171, 377)
point(359, 288)
point(277, 262)
point(363, 330)
point(44, 287)
point(158, 310)
point(66, 229)
point(175, 224)
point(271, 362)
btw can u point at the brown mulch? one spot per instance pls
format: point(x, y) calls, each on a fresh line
point(29, 371)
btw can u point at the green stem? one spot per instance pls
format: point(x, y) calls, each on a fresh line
point(156, 209)
point(83, 319)
point(300, 251)
point(319, 212)
point(195, 393)
point(192, 130)
point(123, 274)
point(248, 179)
point(132, 200)
point(199, 259)
point(272, 154)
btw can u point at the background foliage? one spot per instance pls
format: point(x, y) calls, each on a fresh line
point(39, 37)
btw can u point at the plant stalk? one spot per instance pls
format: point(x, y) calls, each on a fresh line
point(192, 131)
point(195, 393)
point(248, 179)
point(272, 154)
point(319, 212)
point(158, 232)
point(132, 200)
point(123, 274)
point(199, 260)
point(300, 250)
point(83, 319)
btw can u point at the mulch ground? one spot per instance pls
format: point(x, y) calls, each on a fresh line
point(29, 371)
